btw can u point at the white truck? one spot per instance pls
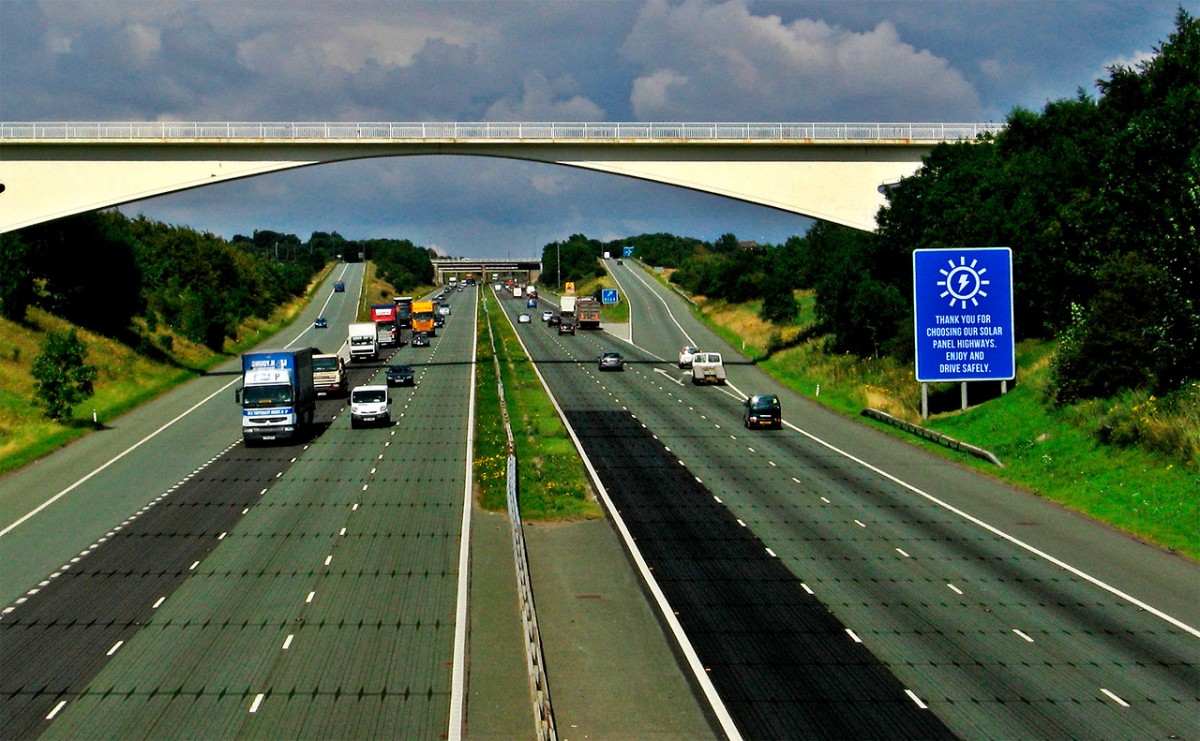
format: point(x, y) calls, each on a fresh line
point(363, 341)
point(707, 367)
point(566, 305)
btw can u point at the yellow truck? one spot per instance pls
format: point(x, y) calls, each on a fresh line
point(422, 318)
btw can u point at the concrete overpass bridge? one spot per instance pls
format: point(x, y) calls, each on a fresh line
point(527, 269)
point(827, 171)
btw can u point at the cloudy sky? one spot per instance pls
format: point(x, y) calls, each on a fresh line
point(561, 60)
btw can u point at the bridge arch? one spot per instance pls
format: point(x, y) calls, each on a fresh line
point(825, 171)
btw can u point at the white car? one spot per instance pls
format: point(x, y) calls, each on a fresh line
point(546, 315)
point(369, 405)
point(686, 355)
point(524, 318)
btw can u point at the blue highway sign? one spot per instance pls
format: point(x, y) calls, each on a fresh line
point(608, 295)
point(963, 314)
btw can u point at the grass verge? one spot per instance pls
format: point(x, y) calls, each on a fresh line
point(553, 483)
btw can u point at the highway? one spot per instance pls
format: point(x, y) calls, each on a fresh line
point(839, 583)
point(197, 588)
point(833, 582)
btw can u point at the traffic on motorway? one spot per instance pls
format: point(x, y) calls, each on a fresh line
point(304, 547)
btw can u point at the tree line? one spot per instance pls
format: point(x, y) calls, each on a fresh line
point(1099, 199)
point(104, 271)
point(138, 281)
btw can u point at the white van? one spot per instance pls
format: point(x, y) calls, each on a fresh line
point(707, 367)
point(369, 405)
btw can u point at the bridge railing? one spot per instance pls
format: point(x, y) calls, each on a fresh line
point(496, 130)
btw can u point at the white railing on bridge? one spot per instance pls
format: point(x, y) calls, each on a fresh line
point(441, 131)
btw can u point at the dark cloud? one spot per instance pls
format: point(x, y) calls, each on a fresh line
point(789, 60)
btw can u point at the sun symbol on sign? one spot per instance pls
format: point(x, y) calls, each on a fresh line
point(963, 282)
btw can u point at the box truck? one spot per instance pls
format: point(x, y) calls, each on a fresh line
point(277, 394)
point(363, 341)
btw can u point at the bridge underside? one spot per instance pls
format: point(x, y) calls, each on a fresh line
point(528, 269)
point(835, 182)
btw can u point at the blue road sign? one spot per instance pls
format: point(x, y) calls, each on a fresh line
point(963, 314)
point(608, 295)
point(627, 252)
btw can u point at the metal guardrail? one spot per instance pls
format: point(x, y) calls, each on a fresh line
point(539, 687)
point(495, 131)
point(933, 436)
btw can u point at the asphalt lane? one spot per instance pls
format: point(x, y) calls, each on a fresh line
point(995, 639)
point(195, 587)
point(329, 609)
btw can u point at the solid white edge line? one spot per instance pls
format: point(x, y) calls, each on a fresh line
point(458, 677)
point(16, 523)
point(666, 612)
point(1001, 534)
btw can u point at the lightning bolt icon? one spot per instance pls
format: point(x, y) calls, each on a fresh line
point(962, 282)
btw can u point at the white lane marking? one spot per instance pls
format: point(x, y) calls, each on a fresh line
point(853, 636)
point(860, 523)
point(158, 603)
point(771, 553)
point(917, 700)
point(1023, 635)
point(288, 641)
point(806, 588)
point(902, 553)
point(1001, 534)
point(741, 523)
point(955, 589)
point(19, 521)
point(257, 701)
point(309, 598)
point(193, 566)
point(329, 559)
point(61, 704)
point(113, 650)
point(1114, 698)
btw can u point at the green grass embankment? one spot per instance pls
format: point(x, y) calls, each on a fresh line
point(125, 378)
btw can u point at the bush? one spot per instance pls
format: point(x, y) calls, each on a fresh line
point(61, 377)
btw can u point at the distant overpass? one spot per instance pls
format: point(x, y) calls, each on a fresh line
point(827, 171)
point(528, 268)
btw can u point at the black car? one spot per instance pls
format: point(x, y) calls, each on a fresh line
point(762, 410)
point(339, 287)
point(420, 339)
point(400, 375)
point(554, 320)
point(567, 327)
point(321, 323)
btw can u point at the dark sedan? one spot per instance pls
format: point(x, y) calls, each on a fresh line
point(400, 375)
point(420, 339)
